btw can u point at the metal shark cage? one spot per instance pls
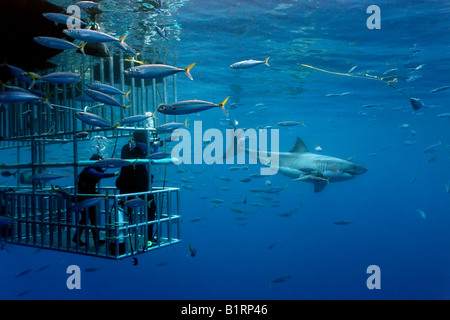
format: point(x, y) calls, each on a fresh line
point(44, 216)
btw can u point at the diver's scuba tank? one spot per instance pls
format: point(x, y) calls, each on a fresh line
point(117, 235)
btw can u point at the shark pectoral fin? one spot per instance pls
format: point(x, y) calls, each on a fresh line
point(319, 185)
point(232, 151)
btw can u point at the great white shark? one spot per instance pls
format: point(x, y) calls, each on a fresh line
point(302, 165)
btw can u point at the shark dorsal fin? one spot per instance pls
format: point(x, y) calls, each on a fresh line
point(299, 147)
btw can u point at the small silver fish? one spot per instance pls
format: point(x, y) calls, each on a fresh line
point(290, 123)
point(162, 32)
point(81, 135)
point(59, 44)
point(23, 273)
point(352, 69)
point(440, 89)
point(88, 5)
point(432, 148)
point(342, 222)
point(409, 142)
point(281, 279)
point(249, 64)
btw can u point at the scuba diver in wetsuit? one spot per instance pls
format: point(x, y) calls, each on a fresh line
point(135, 178)
point(87, 182)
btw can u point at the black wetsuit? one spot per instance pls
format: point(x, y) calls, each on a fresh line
point(87, 182)
point(135, 178)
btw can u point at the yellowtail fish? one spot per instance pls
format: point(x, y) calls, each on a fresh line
point(134, 119)
point(22, 97)
point(90, 35)
point(190, 106)
point(61, 192)
point(59, 44)
point(156, 71)
point(170, 127)
point(249, 64)
point(48, 176)
point(7, 174)
point(55, 78)
point(159, 155)
point(104, 98)
point(20, 74)
point(61, 18)
point(113, 163)
point(86, 204)
point(136, 203)
point(107, 89)
point(125, 47)
point(95, 120)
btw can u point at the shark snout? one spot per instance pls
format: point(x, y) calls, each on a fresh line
point(355, 170)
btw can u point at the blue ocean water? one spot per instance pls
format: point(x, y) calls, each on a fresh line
point(295, 232)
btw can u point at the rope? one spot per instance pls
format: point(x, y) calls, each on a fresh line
point(365, 76)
